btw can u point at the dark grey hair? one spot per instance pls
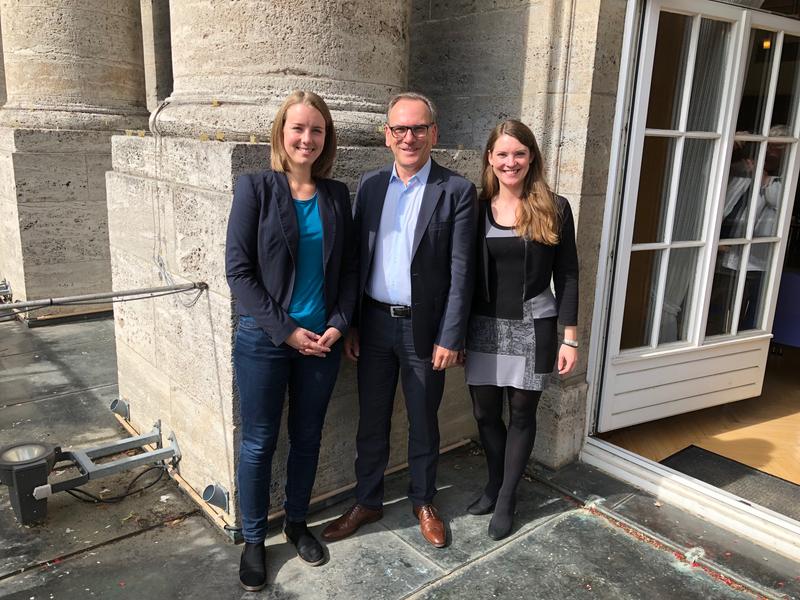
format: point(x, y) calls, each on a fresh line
point(412, 96)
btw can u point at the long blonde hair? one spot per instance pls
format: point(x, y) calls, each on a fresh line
point(539, 219)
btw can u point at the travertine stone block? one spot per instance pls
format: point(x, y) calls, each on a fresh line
point(135, 322)
point(56, 227)
point(206, 437)
point(144, 387)
point(11, 266)
point(561, 421)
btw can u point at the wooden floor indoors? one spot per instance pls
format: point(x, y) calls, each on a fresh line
point(762, 432)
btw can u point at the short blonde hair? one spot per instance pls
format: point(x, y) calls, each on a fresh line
point(279, 158)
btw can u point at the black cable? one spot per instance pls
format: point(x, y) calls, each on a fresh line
point(92, 499)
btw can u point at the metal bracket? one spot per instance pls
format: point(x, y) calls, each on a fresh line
point(84, 460)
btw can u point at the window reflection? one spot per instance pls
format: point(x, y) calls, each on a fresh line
point(756, 85)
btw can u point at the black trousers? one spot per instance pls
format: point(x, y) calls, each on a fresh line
point(386, 354)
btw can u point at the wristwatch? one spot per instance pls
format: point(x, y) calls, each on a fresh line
point(570, 343)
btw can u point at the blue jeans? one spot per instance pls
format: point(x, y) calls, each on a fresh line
point(263, 373)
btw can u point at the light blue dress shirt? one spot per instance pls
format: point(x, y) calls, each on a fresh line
point(390, 276)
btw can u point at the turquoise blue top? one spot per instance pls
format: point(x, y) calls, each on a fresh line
point(307, 306)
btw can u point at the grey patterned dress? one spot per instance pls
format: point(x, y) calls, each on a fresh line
point(512, 334)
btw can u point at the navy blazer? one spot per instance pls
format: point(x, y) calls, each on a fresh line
point(261, 251)
point(443, 256)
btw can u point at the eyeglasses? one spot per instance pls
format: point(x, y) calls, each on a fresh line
point(418, 131)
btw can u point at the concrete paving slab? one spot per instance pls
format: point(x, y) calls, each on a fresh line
point(372, 564)
point(17, 338)
point(578, 555)
point(584, 482)
point(181, 559)
point(47, 373)
point(738, 555)
point(75, 526)
point(71, 420)
point(461, 477)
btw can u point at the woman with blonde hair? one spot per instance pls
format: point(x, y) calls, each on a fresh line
point(291, 264)
point(526, 237)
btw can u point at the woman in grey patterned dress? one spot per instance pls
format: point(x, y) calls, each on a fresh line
point(526, 239)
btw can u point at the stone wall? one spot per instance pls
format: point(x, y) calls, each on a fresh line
point(554, 65)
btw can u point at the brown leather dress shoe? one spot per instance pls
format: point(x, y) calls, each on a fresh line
point(355, 516)
point(431, 526)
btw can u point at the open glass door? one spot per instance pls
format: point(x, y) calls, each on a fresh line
point(710, 179)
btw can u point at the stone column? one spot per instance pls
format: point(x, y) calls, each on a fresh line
point(170, 195)
point(74, 76)
point(234, 63)
point(157, 46)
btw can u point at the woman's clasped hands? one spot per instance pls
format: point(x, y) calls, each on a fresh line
point(309, 343)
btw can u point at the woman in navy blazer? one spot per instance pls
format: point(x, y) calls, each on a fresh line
point(292, 268)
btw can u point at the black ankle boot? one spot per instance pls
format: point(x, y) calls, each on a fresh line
point(502, 520)
point(253, 567)
point(307, 546)
point(482, 506)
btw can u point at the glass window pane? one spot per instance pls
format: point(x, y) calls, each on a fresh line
point(669, 67)
point(723, 290)
point(677, 307)
point(640, 298)
point(739, 190)
point(755, 286)
point(756, 84)
point(784, 111)
point(653, 196)
point(770, 195)
point(708, 83)
point(698, 156)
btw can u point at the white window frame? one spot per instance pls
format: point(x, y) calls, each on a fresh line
point(766, 527)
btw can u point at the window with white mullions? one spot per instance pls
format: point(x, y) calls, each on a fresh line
point(757, 186)
point(683, 124)
point(710, 172)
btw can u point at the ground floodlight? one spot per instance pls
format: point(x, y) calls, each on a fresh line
point(216, 495)
point(121, 408)
point(25, 466)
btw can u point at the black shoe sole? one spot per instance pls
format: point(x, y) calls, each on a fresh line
point(308, 562)
point(252, 588)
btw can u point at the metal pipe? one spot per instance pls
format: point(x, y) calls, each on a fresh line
point(85, 298)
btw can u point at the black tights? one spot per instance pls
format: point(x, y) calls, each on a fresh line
point(507, 450)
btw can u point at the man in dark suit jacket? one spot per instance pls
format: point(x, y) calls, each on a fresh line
point(416, 225)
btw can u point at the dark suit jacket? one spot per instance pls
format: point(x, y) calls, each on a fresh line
point(443, 259)
point(261, 251)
